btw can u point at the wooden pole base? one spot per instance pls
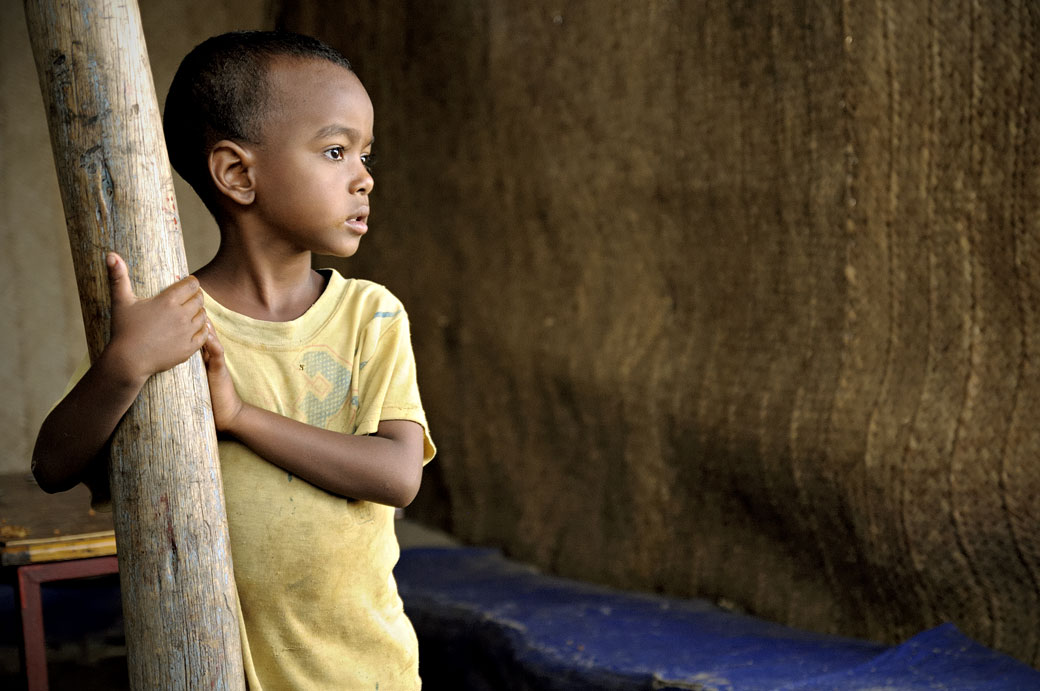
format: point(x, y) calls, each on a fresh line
point(179, 598)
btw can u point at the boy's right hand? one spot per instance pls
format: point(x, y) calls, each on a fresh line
point(151, 335)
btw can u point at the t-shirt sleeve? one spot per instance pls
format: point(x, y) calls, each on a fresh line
point(387, 385)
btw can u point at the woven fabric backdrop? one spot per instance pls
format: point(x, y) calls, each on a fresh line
point(730, 299)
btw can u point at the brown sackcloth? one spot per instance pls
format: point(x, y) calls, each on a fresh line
point(730, 299)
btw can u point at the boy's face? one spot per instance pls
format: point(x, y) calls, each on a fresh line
point(310, 169)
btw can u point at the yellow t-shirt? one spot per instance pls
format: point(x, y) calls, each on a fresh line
point(319, 604)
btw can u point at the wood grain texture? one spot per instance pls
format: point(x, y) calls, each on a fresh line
point(38, 527)
point(175, 565)
point(17, 552)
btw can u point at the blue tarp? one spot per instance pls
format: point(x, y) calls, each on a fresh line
point(485, 622)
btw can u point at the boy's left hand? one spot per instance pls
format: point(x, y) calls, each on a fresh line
point(226, 402)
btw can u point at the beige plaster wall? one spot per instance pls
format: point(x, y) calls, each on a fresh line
point(41, 330)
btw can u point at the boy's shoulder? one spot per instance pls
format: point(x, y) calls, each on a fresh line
point(365, 297)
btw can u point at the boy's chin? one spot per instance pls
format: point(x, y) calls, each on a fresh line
point(339, 252)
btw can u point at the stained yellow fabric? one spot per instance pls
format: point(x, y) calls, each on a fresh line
point(319, 604)
point(317, 599)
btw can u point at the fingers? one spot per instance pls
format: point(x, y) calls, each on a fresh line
point(200, 321)
point(213, 345)
point(212, 350)
point(199, 339)
point(119, 279)
point(184, 291)
point(162, 331)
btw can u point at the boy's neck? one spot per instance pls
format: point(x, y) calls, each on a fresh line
point(258, 284)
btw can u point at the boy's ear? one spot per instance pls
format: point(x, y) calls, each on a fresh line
point(231, 168)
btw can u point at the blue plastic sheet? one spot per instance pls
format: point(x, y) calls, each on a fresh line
point(485, 622)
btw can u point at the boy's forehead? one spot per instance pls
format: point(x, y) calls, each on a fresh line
point(288, 75)
point(300, 86)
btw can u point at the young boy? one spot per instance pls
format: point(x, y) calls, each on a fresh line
point(311, 375)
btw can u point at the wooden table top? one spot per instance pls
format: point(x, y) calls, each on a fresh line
point(38, 527)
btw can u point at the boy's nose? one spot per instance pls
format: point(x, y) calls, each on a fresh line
point(362, 182)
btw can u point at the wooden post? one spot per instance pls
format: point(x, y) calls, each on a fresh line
point(179, 598)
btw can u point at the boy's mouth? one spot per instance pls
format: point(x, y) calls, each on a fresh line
point(359, 223)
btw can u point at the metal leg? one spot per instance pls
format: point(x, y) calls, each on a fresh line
point(29, 578)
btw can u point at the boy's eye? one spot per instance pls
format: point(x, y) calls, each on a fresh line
point(335, 153)
point(368, 160)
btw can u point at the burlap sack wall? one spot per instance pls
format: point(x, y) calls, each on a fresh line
point(728, 299)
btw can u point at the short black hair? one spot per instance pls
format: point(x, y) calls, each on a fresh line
point(220, 91)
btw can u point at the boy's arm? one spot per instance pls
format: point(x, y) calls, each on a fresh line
point(148, 336)
point(385, 468)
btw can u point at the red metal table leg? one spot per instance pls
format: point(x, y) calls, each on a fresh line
point(34, 651)
point(28, 581)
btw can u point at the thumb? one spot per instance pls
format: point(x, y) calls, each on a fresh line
point(119, 279)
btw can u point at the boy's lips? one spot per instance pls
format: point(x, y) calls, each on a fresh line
point(359, 222)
